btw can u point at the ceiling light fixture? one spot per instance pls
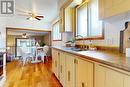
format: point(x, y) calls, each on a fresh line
point(24, 35)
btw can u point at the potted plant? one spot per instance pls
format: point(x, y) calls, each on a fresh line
point(42, 44)
point(71, 43)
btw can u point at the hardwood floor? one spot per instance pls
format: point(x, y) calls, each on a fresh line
point(31, 75)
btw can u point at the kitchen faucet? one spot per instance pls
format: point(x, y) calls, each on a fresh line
point(83, 40)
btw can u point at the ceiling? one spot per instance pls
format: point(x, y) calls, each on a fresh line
point(48, 8)
point(28, 32)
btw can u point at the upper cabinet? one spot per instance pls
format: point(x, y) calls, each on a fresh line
point(67, 17)
point(109, 8)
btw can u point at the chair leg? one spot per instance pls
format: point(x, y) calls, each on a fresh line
point(42, 59)
point(24, 62)
point(46, 58)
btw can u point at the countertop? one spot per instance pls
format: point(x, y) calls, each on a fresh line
point(112, 58)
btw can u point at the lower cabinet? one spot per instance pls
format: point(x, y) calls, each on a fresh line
point(73, 71)
point(113, 78)
point(56, 63)
point(84, 73)
point(127, 81)
point(107, 77)
point(63, 69)
point(100, 73)
point(70, 71)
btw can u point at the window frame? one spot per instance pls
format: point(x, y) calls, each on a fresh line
point(53, 32)
point(98, 37)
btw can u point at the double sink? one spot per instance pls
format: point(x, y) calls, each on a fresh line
point(77, 49)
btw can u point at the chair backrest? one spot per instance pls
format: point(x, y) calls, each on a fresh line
point(45, 49)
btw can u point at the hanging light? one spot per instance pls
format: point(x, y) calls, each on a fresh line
point(24, 35)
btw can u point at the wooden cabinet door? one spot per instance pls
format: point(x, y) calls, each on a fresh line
point(54, 63)
point(70, 71)
point(105, 77)
point(58, 64)
point(113, 78)
point(84, 73)
point(127, 81)
point(69, 19)
point(56, 60)
point(99, 76)
point(113, 7)
point(62, 68)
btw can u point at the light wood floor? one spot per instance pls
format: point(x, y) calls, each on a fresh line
point(31, 75)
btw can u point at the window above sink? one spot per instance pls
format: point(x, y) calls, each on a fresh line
point(87, 21)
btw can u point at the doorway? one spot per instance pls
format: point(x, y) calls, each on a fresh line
point(25, 38)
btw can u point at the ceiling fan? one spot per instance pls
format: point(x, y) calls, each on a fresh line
point(30, 15)
point(34, 16)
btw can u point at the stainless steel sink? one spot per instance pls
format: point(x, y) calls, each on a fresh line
point(76, 49)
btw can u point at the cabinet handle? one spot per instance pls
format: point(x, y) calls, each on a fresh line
point(61, 68)
point(55, 63)
point(75, 61)
point(83, 85)
point(68, 75)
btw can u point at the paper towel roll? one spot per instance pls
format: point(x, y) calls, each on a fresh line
point(127, 52)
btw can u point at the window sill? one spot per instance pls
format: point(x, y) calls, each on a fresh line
point(56, 40)
point(92, 38)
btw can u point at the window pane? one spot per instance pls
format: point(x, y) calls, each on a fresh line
point(82, 20)
point(95, 25)
point(56, 32)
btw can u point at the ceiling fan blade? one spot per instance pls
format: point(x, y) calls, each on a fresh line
point(27, 18)
point(40, 16)
point(20, 10)
point(23, 14)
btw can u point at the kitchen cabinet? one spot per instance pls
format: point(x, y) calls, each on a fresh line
point(84, 73)
point(55, 63)
point(70, 70)
point(113, 7)
point(109, 77)
point(99, 76)
point(69, 17)
point(75, 71)
point(113, 78)
point(62, 27)
point(63, 68)
point(127, 81)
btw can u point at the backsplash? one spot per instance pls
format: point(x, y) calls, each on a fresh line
point(65, 37)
